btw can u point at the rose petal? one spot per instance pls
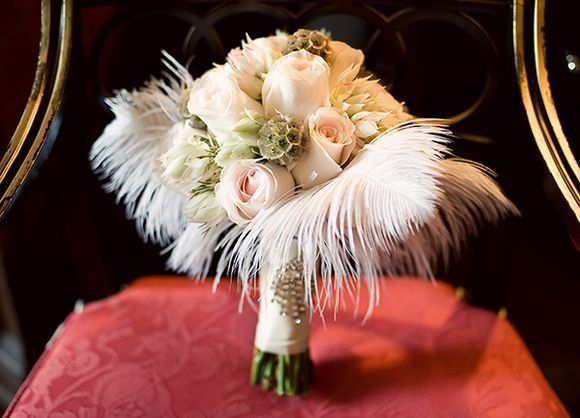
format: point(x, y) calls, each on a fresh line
point(315, 167)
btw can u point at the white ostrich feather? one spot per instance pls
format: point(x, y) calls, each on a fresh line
point(468, 198)
point(126, 153)
point(193, 251)
point(386, 193)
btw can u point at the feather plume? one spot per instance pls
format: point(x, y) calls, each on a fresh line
point(469, 197)
point(127, 152)
point(192, 252)
point(385, 194)
point(395, 208)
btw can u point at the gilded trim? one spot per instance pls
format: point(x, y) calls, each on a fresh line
point(43, 102)
point(539, 104)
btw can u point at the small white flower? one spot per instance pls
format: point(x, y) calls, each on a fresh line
point(234, 150)
point(366, 129)
point(367, 123)
point(204, 208)
point(253, 60)
point(188, 163)
point(371, 107)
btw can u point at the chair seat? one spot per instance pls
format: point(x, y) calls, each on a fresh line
point(169, 347)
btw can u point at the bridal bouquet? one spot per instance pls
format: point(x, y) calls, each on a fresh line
point(295, 162)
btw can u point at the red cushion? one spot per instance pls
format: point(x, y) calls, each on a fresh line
point(168, 347)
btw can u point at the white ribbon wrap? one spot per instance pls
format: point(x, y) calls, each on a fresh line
point(276, 333)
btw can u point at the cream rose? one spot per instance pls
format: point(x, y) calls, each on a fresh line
point(246, 187)
point(345, 63)
point(332, 141)
point(296, 85)
point(219, 102)
point(334, 132)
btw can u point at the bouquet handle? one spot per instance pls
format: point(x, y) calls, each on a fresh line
point(281, 360)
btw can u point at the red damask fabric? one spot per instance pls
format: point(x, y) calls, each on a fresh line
point(168, 347)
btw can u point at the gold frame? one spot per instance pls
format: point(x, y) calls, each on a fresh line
point(538, 102)
point(27, 140)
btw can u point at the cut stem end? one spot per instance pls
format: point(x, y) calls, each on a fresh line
point(286, 374)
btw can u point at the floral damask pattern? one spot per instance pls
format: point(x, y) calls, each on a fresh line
point(168, 347)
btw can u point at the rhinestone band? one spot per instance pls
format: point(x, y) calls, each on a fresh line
point(289, 290)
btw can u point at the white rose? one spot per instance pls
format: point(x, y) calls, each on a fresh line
point(246, 187)
point(332, 141)
point(218, 101)
point(296, 85)
point(345, 63)
point(251, 62)
point(204, 208)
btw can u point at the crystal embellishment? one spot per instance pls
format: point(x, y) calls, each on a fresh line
point(289, 290)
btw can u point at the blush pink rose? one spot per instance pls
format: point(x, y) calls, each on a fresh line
point(332, 141)
point(246, 187)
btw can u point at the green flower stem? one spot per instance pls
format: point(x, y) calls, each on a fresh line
point(286, 374)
